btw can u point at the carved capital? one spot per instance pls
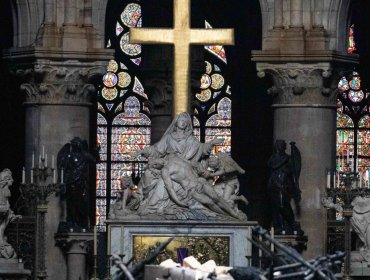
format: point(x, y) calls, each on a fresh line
point(67, 82)
point(76, 243)
point(300, 83)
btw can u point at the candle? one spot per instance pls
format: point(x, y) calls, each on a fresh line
point(62, 176)
point(95, 242)
point(31, 176)
point(33, 160)
point(348, 156)
point(334, 179)
point(108, 245)
point(46, 160)
point(43, 152)
point(54, 176)
point(353, 164)
point(260, 250)
point(343, 163)
point(272, 237)
point(52, 161)
point(328, 180)
point(39, 161)
point(23, 175)
point(356, 164)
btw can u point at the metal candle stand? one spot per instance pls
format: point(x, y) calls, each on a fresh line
point(38, 189)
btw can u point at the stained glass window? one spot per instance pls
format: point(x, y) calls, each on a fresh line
point(212, 115)
point(351, 45)
point(123, 124)
point(353, 127)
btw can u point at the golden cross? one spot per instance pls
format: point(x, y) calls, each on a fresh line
point(181, 36)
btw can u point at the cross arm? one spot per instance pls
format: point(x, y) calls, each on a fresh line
point(151, 36)
point(212, 36)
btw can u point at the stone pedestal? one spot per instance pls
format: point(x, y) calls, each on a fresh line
point(13, 270)
point(123, 234)
point(74, 246)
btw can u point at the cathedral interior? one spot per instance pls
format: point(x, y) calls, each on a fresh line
point(298, 71)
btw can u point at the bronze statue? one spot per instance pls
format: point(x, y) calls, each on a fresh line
point(283, 187)
point(74, 159)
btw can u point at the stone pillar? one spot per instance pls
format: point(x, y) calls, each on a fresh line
point(305, 112)
point(317, 17)
point(278, 14)
point(50, 12)
point(75, 247)
point(70, 14)
point(296, 14)
point(57, 108)
point(88, 13)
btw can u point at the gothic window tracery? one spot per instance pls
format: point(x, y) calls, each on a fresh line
point(123, 124)
point(212, 113)
point(353, 124)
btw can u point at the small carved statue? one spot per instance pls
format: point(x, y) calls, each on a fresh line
point(6, 214)
point(226, 171)
point(283, 187)
point(127, 200)
point(74, 158)
point(361, 224)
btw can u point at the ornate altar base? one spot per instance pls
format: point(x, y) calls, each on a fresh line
point(225, 242)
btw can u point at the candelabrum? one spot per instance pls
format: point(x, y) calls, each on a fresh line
point(42, 183)
point(346, 187)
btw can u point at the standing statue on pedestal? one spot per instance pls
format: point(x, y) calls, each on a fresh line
point(6, 214)
point(74, 159)
point(361, 224)
point(283, 187)
point(176, 183)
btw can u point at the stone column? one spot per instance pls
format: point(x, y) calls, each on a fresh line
point(70, 13)
point(305, 112)
point(278, 14)
point(296, 14)
point(88, 13)
point(75, 247)
point(49, 12)
point(57, 108)
point(317, 16)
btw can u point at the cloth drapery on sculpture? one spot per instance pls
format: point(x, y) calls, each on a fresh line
point(178, 182)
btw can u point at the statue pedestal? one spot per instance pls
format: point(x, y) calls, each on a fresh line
point(13, 270)
point(74, 246)
point(227, 241)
